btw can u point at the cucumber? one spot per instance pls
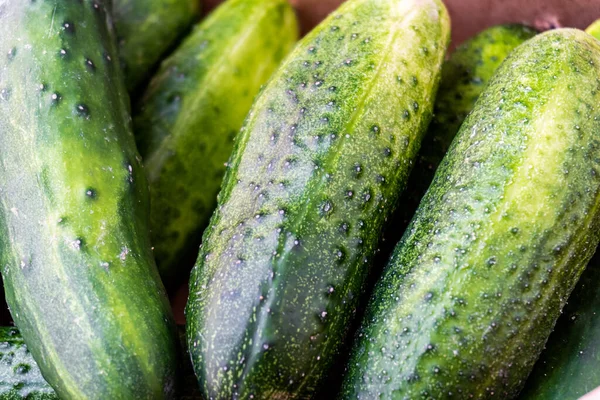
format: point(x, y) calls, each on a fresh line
point(192, 109)
point(76, 259)
point(20, 377)
point(314, 174)
point(594, 29)
point(146, 30)
point(569, 366)
point(475, 286)
point(464, 76)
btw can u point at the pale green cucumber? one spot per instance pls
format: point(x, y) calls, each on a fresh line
point(20, 377)
point(594, 29)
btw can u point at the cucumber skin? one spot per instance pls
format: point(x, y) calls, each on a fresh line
point(146, 30)
point(188, 117)
point(569, 366)
point(285, 257)
point(594, 29)
point(464, 76)
point(435, 326)
point(76, 259)
point(20, 377)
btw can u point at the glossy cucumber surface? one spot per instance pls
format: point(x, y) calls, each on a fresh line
point(315, 172)
point(76, 260)
point(193, 108)
point(476, 284)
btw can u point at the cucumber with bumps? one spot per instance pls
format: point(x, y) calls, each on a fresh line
point(77, 265)
point(314, 174)
point(146, 30)
point(476, 284)
point(20, 377)
point(464, 76)
point(569, 366)
point(194, 106)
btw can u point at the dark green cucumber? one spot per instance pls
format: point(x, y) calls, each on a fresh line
point(76, 259)
point(20, 377)
point(193, 108)
point(146, 30)
point(464, 76)
point(314, 174)
point(476, 284)
point(569, 366)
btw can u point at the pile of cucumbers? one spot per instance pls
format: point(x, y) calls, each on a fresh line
point(135, 139)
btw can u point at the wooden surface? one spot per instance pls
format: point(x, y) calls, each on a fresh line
point(471, 16)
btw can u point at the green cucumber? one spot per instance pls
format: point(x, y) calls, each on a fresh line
point(20, 377)
point(569, 366)
point(594, 29)
point(146, 30)
point(187, 119)
point(464, 76)
point(476, 284)
point(76, 259)
point(315, 172)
